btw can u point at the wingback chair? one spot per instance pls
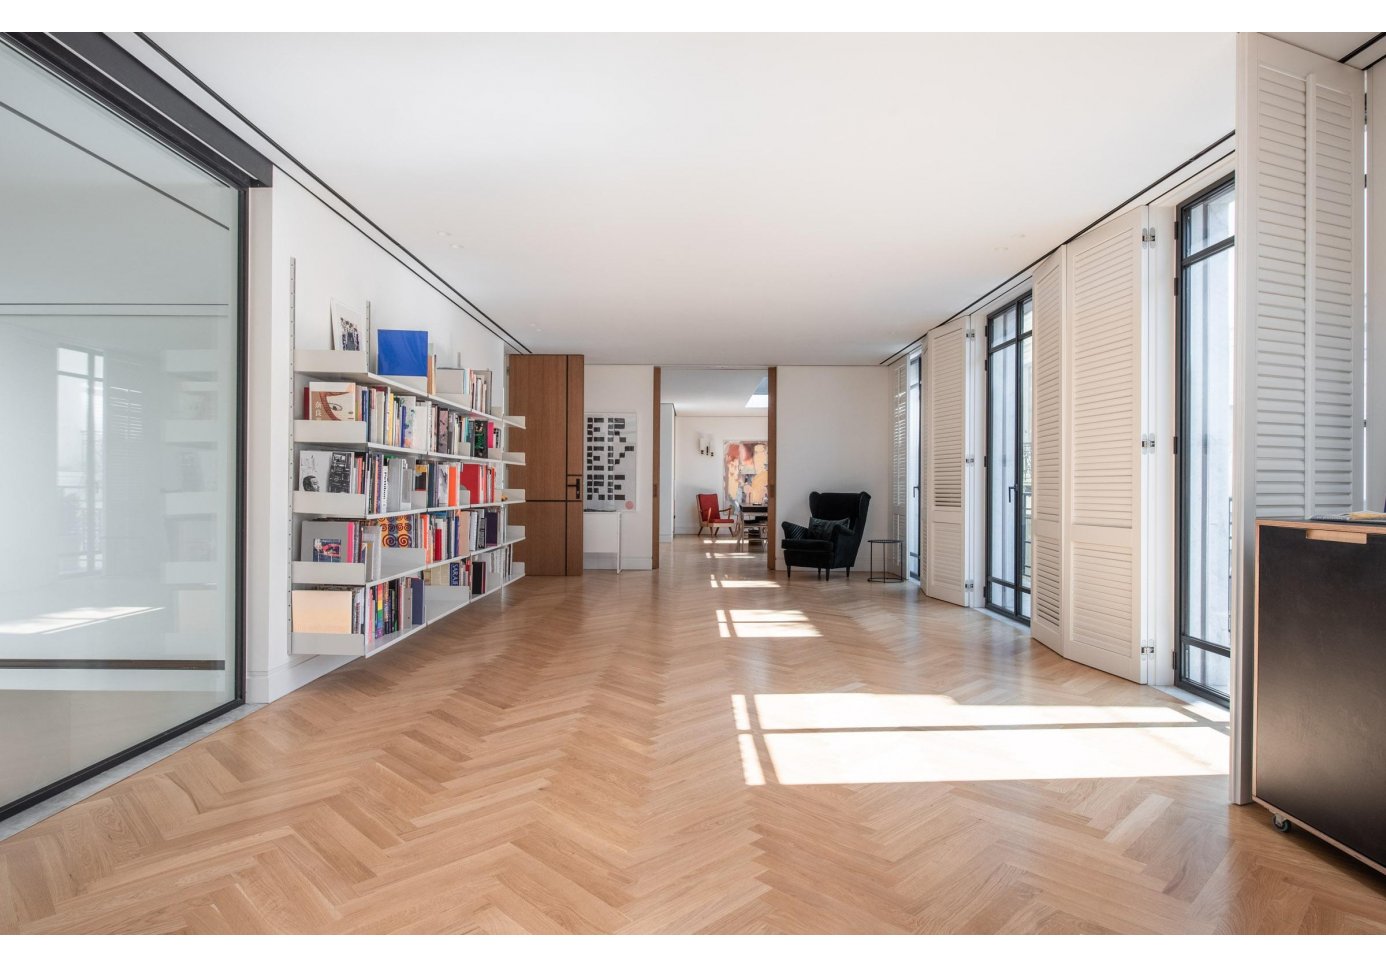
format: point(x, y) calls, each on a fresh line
point(826, 551)
point(712, 516)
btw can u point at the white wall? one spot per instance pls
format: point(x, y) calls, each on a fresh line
point(666, 472)
point(629, 389)
point(833, 434)
point(334, 261)
point(695, 474)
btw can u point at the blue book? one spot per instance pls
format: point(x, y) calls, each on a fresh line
point(401, 352)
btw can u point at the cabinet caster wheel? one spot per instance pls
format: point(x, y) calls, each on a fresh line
point(1281, 824)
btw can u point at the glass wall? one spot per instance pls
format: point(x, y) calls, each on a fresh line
point(1009, 491)
point(1205, 440)
point(119, 362)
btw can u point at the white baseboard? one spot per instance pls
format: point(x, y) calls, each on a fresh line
point(607, 562)
point(263, 687)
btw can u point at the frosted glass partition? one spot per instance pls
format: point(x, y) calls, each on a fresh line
point(119, 366)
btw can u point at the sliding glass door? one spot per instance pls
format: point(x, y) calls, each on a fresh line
point(1206, 247)
point(1009, 500)
point(120, 363)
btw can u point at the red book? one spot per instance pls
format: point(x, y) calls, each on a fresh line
point(475, 479)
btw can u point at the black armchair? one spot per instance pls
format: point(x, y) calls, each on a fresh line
point(801, 547)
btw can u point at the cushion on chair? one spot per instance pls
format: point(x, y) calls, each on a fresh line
point(823, 528)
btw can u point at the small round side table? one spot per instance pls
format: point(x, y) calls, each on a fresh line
point(884, 575)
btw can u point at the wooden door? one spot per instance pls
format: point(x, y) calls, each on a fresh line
point(538, 390)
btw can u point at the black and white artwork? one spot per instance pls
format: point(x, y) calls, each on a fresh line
point(610, 462)
point(348, 327)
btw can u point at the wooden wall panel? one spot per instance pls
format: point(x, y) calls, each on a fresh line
point(538, 392)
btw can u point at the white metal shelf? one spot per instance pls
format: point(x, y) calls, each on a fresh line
point(352, 366)
point(359, 644)
point(353, 574)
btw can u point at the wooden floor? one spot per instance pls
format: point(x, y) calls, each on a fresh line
point(706, 748)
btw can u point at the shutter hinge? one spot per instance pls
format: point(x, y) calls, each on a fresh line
point(1148, 442)
point(1147, 648)
point(971, 334)
point(969, 585)
point(1147, 237)
point(969, 460)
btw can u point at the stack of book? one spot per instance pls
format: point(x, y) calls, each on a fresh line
point(470, 388)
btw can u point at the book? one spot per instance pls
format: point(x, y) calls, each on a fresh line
point(312, 469)
point(323, 611)
point(320, 537)
point(332, 401)
point(339, 472)
point(402, 352)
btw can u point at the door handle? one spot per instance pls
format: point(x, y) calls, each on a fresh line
point(575, 483)
point(1010, 494)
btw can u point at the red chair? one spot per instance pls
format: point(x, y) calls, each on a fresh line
point(711, 516)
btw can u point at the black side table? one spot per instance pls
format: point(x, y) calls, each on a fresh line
point(884, 575)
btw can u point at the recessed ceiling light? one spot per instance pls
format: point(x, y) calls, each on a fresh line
point(453, 245)
point(444, 235)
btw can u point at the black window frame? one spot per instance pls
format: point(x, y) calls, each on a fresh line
point(1183, 641)
point(102, 70)
point(1018, 304)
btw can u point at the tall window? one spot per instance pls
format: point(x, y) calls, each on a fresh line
point(120, 364)
point(1009, 480)
point(1205, 286)
point(912, 469)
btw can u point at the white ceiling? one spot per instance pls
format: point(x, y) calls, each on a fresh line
point(710, 198)
point(700, 392)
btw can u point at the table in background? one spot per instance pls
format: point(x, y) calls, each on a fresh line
point(885, 576)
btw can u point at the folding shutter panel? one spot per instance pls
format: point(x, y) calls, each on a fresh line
point(899, 421)
point(1046, 620)
point(1300, 184)
point(1299, 310)
point(1102, 432)
point(945, 386)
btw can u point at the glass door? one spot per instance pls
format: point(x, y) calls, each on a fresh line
point(1204, 441)
point(912, 468)
point(1009, 500)
point(120, 324)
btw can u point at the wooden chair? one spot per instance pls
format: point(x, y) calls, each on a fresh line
point(711, 516)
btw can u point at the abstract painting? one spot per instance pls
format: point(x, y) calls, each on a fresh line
point(746, 472)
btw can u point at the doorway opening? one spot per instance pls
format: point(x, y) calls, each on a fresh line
point(718, 453)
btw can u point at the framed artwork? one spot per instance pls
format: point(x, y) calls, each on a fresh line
point(348, 328)
point(746, 472)
point(610, 462)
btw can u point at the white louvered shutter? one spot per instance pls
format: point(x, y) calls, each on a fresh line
point(899, 450)
point(1298, 414)
point(1105, 316)
point(1299, 241)
point(945, 390)
point(1046, 619)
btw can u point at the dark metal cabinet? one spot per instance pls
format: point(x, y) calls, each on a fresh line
point(1320, 702)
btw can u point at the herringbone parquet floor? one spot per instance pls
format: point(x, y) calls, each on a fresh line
point(707, 748)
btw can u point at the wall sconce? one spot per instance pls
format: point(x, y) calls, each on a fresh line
point(705, 446)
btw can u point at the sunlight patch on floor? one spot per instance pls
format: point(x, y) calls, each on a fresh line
point(942, 756)
point(857, 710)
point(742, 582)
point(764, 623)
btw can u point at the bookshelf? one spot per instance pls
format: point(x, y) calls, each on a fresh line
point(459, 551)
